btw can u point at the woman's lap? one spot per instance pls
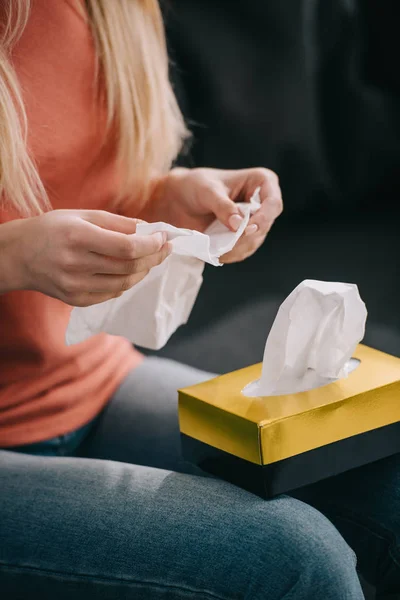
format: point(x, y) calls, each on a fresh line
point(101, 528)
point(88, 528)
point(364, 504)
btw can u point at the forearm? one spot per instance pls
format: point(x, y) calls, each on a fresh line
point(143, 204)
point(10, 270)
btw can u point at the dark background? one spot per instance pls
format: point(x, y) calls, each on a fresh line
point(310, 89)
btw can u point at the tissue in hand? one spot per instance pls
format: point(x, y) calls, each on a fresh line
point(151, 311)
point(312, 340)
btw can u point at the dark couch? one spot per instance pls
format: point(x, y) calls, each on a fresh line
point(311, 89)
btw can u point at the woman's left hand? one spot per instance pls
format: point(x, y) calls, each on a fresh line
point(193, 198)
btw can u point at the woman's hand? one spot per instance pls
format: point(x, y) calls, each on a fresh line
point(80, 257)
point(193, 198)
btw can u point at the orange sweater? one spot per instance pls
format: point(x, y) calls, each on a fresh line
point(46, 388)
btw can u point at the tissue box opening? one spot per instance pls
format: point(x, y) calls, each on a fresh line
point(251, 389)
point(272, 446)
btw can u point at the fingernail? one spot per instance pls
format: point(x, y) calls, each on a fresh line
point(251, 229)
point(164, 237)
point(235, 221)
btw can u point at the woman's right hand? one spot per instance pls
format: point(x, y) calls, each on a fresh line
point(81, 257)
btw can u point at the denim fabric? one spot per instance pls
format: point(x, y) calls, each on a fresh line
point(114, 513)
point(62, 445)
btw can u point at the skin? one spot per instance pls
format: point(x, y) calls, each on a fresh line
point(193, 198)
point(84, 257)
point(80, 257)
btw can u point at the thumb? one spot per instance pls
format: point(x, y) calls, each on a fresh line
point(226, 211)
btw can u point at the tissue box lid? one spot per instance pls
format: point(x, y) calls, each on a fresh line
point(268, 429)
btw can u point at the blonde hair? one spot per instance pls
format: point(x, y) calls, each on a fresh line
point(132, 64)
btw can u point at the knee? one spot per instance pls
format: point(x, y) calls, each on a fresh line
point(295, 552)
point(320, 562)
point(250, 548)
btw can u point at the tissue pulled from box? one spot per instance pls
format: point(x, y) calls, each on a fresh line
point(312, 340)
point(151, 311)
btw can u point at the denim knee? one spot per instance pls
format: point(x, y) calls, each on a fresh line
point(290, 551)
point(323, 564)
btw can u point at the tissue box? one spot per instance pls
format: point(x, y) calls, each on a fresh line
point(274, 444)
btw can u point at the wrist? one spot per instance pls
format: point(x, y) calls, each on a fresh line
point(163, 197)
point(11, 268)
point(157, 206)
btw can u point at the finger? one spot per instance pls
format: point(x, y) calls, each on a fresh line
point(118, 245)
point(83, 300)
point(225, 210)
point(265, 179)
point(110, 284)
point(102, 286)
point(244, 182)
point(97, 264)
point(270, 195)
point(114, 284)
point(111, 221)
point(104, 282)
point(130, 267)
point(245, 247)
point(263, 219)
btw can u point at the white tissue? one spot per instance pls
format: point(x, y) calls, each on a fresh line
point(151, 311)
point(312, 340)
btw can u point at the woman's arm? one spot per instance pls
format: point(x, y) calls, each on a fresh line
point(193, 198)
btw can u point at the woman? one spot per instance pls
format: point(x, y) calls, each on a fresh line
point(95, 501)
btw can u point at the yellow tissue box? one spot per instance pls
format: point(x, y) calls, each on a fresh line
point(274, 444)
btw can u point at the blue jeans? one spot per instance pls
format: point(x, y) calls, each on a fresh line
point(112, 512)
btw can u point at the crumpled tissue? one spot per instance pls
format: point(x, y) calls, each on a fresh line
point(312, 339)
point(151, 311)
